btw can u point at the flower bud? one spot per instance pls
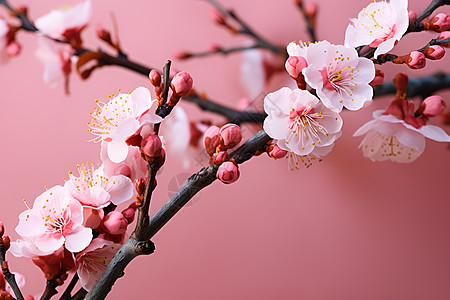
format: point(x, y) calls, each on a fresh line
point(294, 65)
point(433, 106)
point(378, 79)
point(211, 139)
point(103, 34)
point(151, 145)
point(311, 9)
point(434, 52)
point(412, 16)
point(182, 83)
point(416, 60)
point(29, 297)
point(439, 23)
point(401, 82)
point(2, 229)
point(444, 35)
point(213, 47)
point(130, 212)
point(275, 152)
point(155, 78)
point(228, 172)
point(182, 54)
point(220, 158)
point(13, 49)
point(230, 135)
point(217, 16)
point(6, 240)
point(113, 223)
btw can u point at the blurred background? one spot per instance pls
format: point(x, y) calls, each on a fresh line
point(346, 228)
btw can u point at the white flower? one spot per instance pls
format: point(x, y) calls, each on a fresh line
point(340, 77)
point(379, 25)
point(59, 22)
point(299, 121)
point(114, 122)
point(388, 137)
point(297, 49)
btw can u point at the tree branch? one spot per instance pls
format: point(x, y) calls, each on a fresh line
point(417, 26)
point(9, 277)
point(133, 248)
point(220, 50)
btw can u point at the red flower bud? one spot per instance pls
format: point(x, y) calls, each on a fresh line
point(228, 172)
point(433, 106)
point(230, 136)
point(182, 84)
point(151, 145)
point(416, 60)
point(211, 139)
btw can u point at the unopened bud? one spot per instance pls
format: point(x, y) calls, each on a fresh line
point(439, 23)
point(217, 16)
point(151, 145)
point(155, 78)
point(140, 185)
point(213, 47)
point(311, 9)
point(401, 82)
point(113, 223)
point(2, 229)
point(444, 35)
point(378, 79)
point(103, 34)
point(29, 297)
point(412, 16)
point(211, 139)
point(416, 60)
point(434, 52)
point(182, 83)
point(294, 65)
point(275, 152)
point(182, 54)
point(220, 158)
point(130, 212)
point(230, 136)
point(13, 49)
point(228, 172)
point(433, 106)
point(6, 240)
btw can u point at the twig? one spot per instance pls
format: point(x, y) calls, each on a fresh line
point(133, 248)
point(9, 277)
point(80, 294)
point(309, 27)
point(222, 51)
point(245, 29)
point(50, 289)
point(67, 293)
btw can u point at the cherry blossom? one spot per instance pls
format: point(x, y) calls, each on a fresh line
point(57, 59)
point(92, 261)
point(26, 247)
point(340, 77)
point(66, 23)
point(299, 121)
point(114, 122)
point(380, 25)
point(94, 190)
point(133, 166)
point(298, 49)
point(388, 137)
point(295, 161)
point(55, 219)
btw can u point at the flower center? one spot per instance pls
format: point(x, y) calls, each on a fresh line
point(87, 179)
point(307, 120)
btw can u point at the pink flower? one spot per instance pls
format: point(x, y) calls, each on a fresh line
point(295, 160)
point(114, 122)
point(297, 49)
point(26, 247)
point(55, 220)
point(92, 261)
point(299, 121)
point(94, 190)
point(388, 137)
point(340, 77)
point(66, 23)
point(57, 60)
point(379, 25)
point(133, 166)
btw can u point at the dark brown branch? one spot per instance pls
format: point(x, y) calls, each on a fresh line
point(50, 289)
point(246, 30)
point(67, 295)
point(220, 50)
point(9, 277)
point(80, 294)
point(133, 248)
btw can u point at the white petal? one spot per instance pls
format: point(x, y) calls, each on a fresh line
point(120, 188)
point(435, 133)
point(126, 128)
point(117, 151)
point(78, 239)
point(142, 100)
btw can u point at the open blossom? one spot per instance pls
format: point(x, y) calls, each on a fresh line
point(67, 22)
point(92, 261)
point(379, 25)
point(94, 190)
point(57, 59)
point(133, 166)
point(114, 122)
point(388, 137)
point(299, 121)
point(55, 220)
point(340, 77)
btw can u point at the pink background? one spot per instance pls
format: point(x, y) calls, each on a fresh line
point(345, 228)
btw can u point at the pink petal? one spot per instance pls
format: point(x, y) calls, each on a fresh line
point(117, 151)
point(120, 188)
point(78, 239)
point(435, 133)
point(126, 129)
point(49, 243)
point(142, 101)
point(30, 224)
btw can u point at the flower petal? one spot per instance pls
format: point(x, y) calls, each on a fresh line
point(78, 239)
point(117, 151)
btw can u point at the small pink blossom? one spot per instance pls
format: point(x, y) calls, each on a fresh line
point(299, 121)
point(92, 261)
point(133, 166)
point(55, 220)
point(67, 22)
point(298, 49)
point(228, 172)
point(416, 60)
point(380, 25)
point(114, 122)
point(57, 60)
point(388, 137)
point(339, 75)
